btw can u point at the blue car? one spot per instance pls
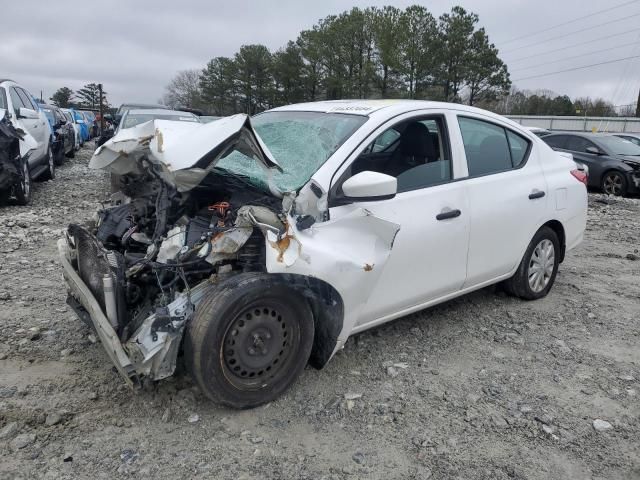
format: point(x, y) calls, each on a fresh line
point(82, 124)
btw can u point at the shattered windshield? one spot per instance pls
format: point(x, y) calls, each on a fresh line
point(300, 142)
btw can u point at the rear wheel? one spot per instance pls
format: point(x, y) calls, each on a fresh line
point(614, 183)
point(249, 340)
point(538, 268)
point(22, 190)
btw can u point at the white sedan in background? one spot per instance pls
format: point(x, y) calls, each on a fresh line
point(267, 242)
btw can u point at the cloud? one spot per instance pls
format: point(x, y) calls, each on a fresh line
point(135, 48)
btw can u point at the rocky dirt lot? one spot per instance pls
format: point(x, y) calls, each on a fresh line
point(483, 387)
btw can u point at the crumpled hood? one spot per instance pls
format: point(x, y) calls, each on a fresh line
point(185, 151)
point(27, 142)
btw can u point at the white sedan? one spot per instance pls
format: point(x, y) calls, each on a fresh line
point(260, 245)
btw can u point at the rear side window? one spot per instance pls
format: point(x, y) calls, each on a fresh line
point(491, 148)
point(3, 99)
point(556, 141)
point(518, 146)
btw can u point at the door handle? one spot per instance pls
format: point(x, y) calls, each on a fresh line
point(448, 214)
point(536, 194)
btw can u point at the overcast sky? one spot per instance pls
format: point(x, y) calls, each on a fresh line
point(135, 47)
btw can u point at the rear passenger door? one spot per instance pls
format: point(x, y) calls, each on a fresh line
point(506, 191)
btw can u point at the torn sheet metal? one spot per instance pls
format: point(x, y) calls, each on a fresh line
point(26, 141)
point(186, 151)
point(153, 348)
point(349, 253)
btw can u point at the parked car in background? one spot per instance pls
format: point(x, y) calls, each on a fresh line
point(20, 109)
point(90, 120)
point(76, 128)
point(81, 121)
point(614, 163)
point(631, 137)
point(63, 140)
point(259, 245)
point(540, 132)
point(134, 117)
point(122, 109)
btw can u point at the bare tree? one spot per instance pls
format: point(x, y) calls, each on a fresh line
point(184, 90)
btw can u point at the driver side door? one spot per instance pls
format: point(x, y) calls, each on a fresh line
point(429, 254)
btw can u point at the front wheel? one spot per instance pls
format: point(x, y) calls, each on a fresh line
point(249, 340)
point(614, 183)
point(538, 268)
point(50, 172)
point(22, 190)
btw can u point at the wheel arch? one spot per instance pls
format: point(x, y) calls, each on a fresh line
point(558, 228)
point(327, 307)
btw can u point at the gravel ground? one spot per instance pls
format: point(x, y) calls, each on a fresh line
point(483, 387)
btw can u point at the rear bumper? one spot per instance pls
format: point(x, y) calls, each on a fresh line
point(109, 338)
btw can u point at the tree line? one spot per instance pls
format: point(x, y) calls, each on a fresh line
point(361, 53)
point(546, 102)
point(88, 97)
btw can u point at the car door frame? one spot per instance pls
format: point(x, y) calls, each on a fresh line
point(459, 171)
point(542, 203)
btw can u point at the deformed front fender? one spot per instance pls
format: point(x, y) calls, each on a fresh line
point(348, 253)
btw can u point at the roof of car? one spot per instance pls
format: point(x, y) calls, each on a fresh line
point(386, 108)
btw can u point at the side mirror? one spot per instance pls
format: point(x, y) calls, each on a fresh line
point(593, 150)
point(370, 186)
point(62, 122)
point(27, 113)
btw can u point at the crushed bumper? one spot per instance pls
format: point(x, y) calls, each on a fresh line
point(108, 336)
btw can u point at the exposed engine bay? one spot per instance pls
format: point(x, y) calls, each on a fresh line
point(151, 253)
point(181, 230)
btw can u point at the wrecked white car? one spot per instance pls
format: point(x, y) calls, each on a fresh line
point(255, 246)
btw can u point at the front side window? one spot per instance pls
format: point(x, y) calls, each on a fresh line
point(491, 148)
point(415, 151)
point(16, 100)
point(578, 144)
point(27, 99)
point(301, 142)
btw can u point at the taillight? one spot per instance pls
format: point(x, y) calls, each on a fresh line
point(580, 175)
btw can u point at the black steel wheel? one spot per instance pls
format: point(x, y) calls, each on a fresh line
point(249, 340)
point(258, 343)
point(614, 183)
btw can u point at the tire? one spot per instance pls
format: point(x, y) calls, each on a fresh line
point(59, 160)
point(269, 328)
point(614, 183)
point(50, 173)
point(525, 283)
point(22, 190)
